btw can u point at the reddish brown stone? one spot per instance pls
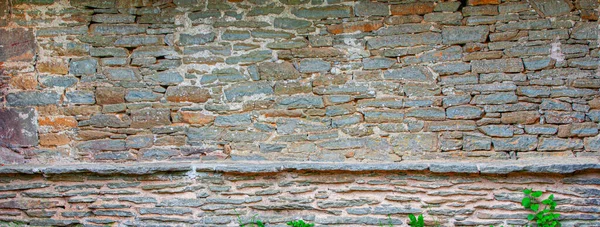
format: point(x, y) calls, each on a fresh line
point(81, 110)
point(110, 95)
point(187, 94)
point(148, 118)
point(53, 67)
point(58, 123)
point(282, 113)
point(17, 44)
point(24, 82)
point(520, 117)
point(483, 2)
point(17, 127)
point(54, 139)
point(170, 141)
point(196, 118)
point(418, 8)
point(366, 26)
point(93, 135)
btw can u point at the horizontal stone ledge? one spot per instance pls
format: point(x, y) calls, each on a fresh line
point(559, 166)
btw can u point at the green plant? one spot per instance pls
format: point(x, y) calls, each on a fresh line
point(416, 221)
point(300, 223)
point(254, 222)
point(390, 223)
point(544, 216)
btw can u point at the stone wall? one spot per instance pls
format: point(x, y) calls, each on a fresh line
point(359, 195)
point(297, 80)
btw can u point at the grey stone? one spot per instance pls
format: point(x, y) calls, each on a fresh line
point(378, 63)
point(464, 112)
point(550, 8)
point(415, 142)
point(58, 81)
point(33, 98)
point(495, 98)
point(555, 144)
point(405, 40)
point(517, 143)
point(233, 120)
point(238, 91)
point(460, 35)
point(323, 12)
point(497, 130)
point(198, 39)
point(251, 57)
point(85, 66)
point(289, 23)
point(369, 8)
point(165, 78)
point(497, 65)
point(313, 66)
point(80, 97)
point(301, 102)
point(409, 74)
point(141, 95)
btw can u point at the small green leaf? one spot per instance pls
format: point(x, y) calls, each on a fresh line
point(536, 194)
point(535, 207)
point(527, 191)
point(526, 202)
point(530, 217)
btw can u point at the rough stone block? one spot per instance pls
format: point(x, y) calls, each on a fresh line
point(497, 65)
point(416, 142)
point(517, 143)
point(17, 44)
point(418, 8)
point(19, 127)
point(148, 118)
point(323, 12)
point(463, 34)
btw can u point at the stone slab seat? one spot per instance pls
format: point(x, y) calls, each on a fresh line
point(559, 166)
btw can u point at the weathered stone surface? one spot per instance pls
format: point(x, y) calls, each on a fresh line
point(277, 71)
point(459, 35)
point(17, 45)
point(368, 8)
point(33, 98)
point(409, 74)
point(20, 128)
point(323, 12)
point(240, 91)
point(148, 118)
point(517, 143)
point(551, 8)
point(415, 142)
point(499, 65)
point(405, 40)
point(412, 8)
point(187, 94)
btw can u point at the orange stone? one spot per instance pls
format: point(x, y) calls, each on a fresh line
point(417, 8)
point(110, 95)
point(24, 82)
point(483, 2)
point(58, 123)
point(196, 118)
point(53, 67)
point(282, 113)
point(367, 26)
point(54, 139)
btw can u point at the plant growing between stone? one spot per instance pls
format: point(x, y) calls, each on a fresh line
point(253, 223)
point(416, 221)
point(544, 217)
point(300, 223)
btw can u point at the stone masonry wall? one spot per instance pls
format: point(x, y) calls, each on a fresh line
point(328, 198)
point(297, 80)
